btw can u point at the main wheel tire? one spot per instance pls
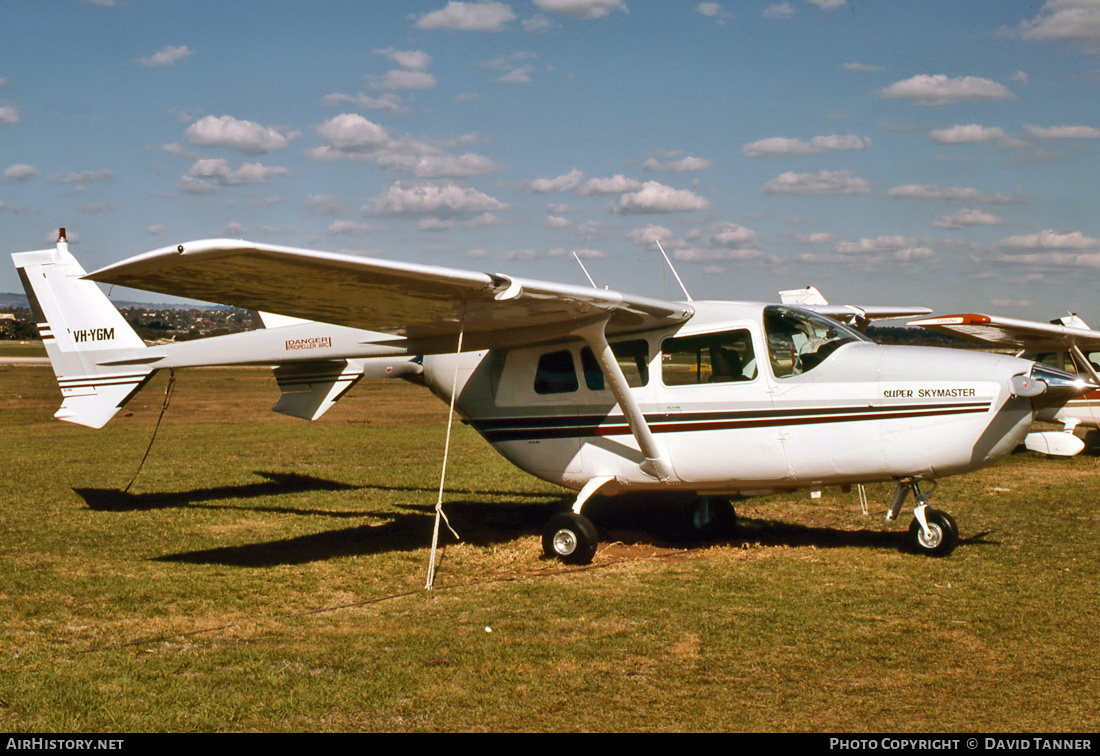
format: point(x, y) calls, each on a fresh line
point(571, 538)
point(945, 534)
point(714, 517)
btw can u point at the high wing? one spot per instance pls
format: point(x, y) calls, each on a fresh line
point(1010, 333)
point(427, 305)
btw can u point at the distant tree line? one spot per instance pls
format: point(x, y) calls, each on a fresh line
point(167, 324)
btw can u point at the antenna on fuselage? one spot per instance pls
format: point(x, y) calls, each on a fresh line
point(673, 270)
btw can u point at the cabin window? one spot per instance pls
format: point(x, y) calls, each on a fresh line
point(725, 357)
point(633, 359)
point(556, 373)
point(799, 341)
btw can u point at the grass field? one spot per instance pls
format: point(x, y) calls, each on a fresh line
point(267, 574)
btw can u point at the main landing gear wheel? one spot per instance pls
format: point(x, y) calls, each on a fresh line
point(714, 517)
point(571, 538)
point(944, 534)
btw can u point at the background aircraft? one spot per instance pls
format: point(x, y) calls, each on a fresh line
point(603, 392)
point(1066, 343)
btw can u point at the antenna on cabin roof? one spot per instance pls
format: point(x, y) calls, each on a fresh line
point(578, 259)
point(673, 271)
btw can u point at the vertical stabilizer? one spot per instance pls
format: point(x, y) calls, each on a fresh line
point(81, 331)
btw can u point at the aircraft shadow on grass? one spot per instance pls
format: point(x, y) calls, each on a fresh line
point(481, 522)
point(275, 483)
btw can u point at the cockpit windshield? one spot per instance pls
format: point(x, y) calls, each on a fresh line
point(799, 341)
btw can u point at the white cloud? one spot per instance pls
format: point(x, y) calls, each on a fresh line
point(1074, 21)
point(780, 10)
point(708, 9)
point(564, 183)
point(9, 114)
point(828, 4)
point(155, 229)
point(617, 184)
point(323, 204)
point(1050, 240)
point(654, 197)
point(82, 176)
point(352, 133)
point(349, 228)
point(972, 133)
point(244, 136)
point(775, 146)
point(941, 90)
point(459, 16)
point(516, 76)
point(1063, 132)
point(387, 102)
point(823, 182)
point(417, 60)
point(209, 174)
point(169, 56)
point(725, 236)
point(402, 79)
point(350, 136)
point(820, 237)
point(538, 23)
point(868, 254)
point(864, 67)
point(1046, 249)
point(682, 165)
point(584, 9)
point(20, 172)
point(951, 194)
point(441, 200)
point(647, 235)
point(966, 218)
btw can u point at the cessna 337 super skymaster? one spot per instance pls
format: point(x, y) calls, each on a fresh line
point(1065, 343)
point(606, 393)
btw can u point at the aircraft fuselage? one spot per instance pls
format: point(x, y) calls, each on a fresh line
point(784, 419)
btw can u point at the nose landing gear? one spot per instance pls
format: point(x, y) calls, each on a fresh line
point(932, 532)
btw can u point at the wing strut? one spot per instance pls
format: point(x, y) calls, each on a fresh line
point(1084, 362)
point(656, 464)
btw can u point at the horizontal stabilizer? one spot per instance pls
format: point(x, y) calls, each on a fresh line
point(93, 400)
point(311, 388)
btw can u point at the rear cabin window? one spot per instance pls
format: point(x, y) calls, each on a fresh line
point(556, 373)
point(633, 359)
point(725, 357)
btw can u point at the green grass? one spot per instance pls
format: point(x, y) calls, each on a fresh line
point(22, 349)
point(266, 574)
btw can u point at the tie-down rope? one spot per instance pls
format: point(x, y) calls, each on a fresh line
point(439, 514)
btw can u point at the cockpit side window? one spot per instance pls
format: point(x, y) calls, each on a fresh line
point(724, 357)
point(799, 341)
point(633, 359)
point(556, 373)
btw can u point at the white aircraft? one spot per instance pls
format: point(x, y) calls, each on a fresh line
point(607, 393)
point(100, 362)
point(1066, 343)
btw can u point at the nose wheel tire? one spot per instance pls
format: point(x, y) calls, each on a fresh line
point(943, 531)
point(571, 538)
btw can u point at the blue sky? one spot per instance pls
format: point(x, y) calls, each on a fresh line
point(933, 152)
